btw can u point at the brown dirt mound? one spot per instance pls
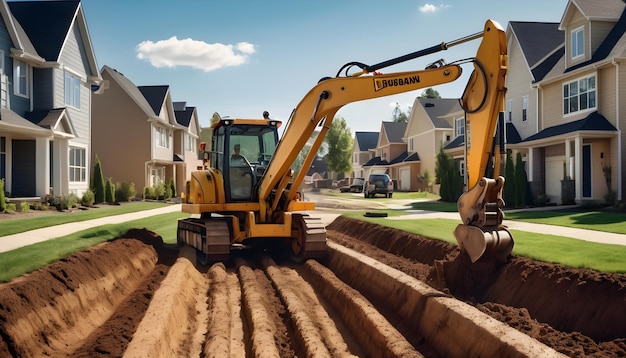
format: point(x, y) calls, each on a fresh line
point(41, 312)
point(577, 311)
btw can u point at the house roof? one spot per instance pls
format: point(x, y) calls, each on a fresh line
point(542, 68)
point(394, 131)
point(47, 23)
point(604, 10)
point(437, 108)
point(56, 119)
point(405, 157)
point(319, 166)
point(366, 140)
point(537, 39)
point(131, 90)
point(155, 95)
point(13, 123)
point(18, 36)
point(375, 161)
point(512, 137)
point(593, 122)
point(184, 116)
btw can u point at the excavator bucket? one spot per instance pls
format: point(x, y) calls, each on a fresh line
point(476, 242)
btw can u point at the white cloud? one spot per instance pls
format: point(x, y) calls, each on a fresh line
point(192, 53)
point(430, 8)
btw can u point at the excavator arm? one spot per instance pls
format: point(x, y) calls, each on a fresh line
point(482, 100)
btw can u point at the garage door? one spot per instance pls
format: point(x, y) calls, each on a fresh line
point(405, 179)
point(554, 175)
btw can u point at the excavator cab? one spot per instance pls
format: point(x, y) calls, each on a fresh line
point(241, 151)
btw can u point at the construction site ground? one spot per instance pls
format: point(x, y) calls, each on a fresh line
point(380, 292)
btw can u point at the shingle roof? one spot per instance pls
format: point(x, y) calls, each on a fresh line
point(456, 142)
point(405, 157)
point(155, 95)
point(183, 117)
point(512, 137)
point(440, 107)
point(375, 161)
point(544, 67)
point(47, 23)
point(395, 131)
point(537, 39)
point(600, 10)
point(593, 122)
point(133, 91)
point(366, 140)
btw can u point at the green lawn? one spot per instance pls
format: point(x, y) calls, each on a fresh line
point(607, 221)
point(29, 258)
point(13, 226)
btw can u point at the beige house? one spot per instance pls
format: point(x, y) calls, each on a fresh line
point(564, 93)
point(362, 144)
point(141, 136)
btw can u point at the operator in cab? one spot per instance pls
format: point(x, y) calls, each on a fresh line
point(236, 157)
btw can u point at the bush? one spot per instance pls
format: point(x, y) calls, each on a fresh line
point(158, 192)
point(109, 191)
point(64, 202)
point(88, 198)
point(10, 207)
point(148, 193)
point(98, 183)
point(24, 207)
point(3, 203)
point(172, 188)
point(521, 181)
point(509, 181)
point(125, 191)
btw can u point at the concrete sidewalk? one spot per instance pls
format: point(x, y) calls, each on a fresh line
point(12, 242)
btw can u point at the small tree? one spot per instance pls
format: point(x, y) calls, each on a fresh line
point(98, 183)
point(509, 180)
point(448, 177)
point(172, 188)
point(521, 181)
point(339, 140)
point(3, 203)
point(109, 189)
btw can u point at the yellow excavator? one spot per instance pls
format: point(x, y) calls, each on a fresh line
point(246, 194)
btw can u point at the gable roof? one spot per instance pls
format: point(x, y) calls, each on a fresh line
point(366, 140)
point(394, 131)
point(183, 117)
point(57, 120)
point(512, 137)
point(405, 157)
point(537, 39)
point(437, 108)
point(20, 40)
point(604, 10)
point(593, 122)
point(47, 23)
point(131, 90)
point(155, 95)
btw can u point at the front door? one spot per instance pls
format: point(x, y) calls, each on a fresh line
point(23, 168)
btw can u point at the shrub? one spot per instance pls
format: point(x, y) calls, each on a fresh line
point(109, 191)
point(125, 191)
point(64, 202)
point(172, 188)
point(88, 198)
point(160, 192)
point(24, 207)
point(10, 207)
point(98, 182)
point(521, 182)
point(3, 202)
point(148, 193)
point(509, 181)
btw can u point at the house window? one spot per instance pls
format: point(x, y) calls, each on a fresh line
point(524, 108)
point(411, 145)
point(509, 111)
point(72, 90)
point(578, 42)
point(579, 95)
point(78, 165)
point(189, 143)
point(162, 137)
point(3, 157)
point(459, 126)
point(20, 74)
point(462, 167)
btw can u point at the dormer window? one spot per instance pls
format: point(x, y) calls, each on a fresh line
point(578, 42)
point(459, 126)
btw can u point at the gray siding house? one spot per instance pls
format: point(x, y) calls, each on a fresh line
point(48, 68)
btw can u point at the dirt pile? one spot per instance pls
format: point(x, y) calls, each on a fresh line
point(576, 311)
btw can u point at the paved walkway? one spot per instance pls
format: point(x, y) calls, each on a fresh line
point(12, 242)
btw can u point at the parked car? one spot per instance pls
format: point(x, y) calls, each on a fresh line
point(378, 184)
point(355, 187)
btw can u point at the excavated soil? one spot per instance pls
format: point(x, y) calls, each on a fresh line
point(120, 297)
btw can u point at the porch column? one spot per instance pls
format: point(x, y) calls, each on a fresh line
point(578, 171)
point(568, 164)
point(42, 166)
point(60, 169)
point(531, 152)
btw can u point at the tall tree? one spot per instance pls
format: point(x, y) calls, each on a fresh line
point(339, 140)
point(398, 116)
point(509, 181)
point(98, 182)
point(521, 180)
point(430, 93)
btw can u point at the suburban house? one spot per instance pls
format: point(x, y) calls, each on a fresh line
point(565, 86)
point(141, 136)
point(47, 70)
point(362, 144)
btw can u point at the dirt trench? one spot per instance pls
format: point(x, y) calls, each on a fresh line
point(134, 296)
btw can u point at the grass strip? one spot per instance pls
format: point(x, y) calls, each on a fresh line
point(30, 258)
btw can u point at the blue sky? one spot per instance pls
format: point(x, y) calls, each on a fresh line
point(239, 58)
